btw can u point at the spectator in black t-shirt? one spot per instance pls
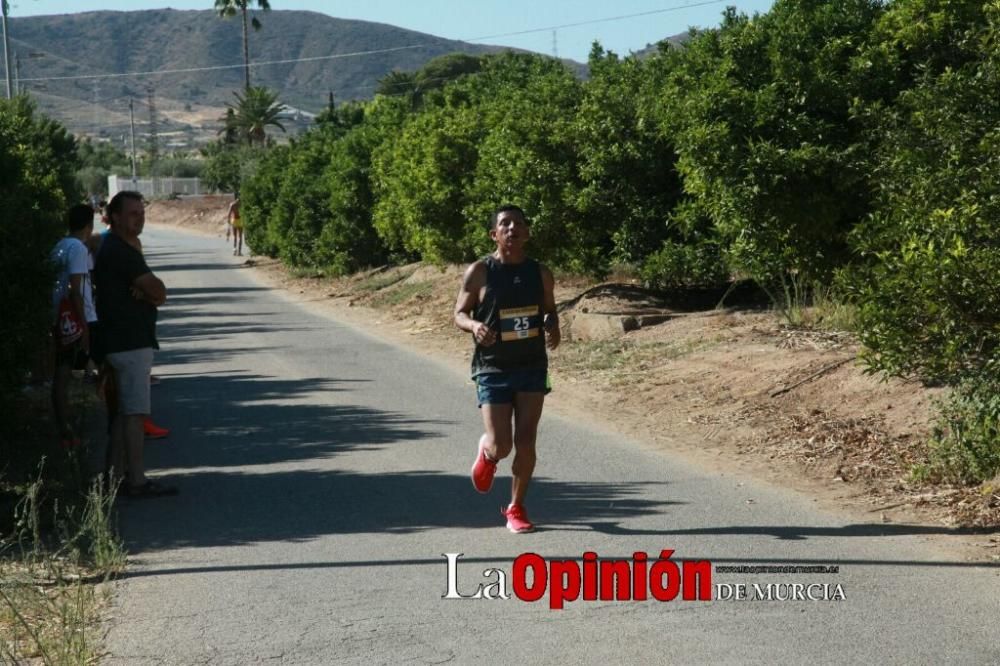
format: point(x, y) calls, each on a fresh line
point(128, 295)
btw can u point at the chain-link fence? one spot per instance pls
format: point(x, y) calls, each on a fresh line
point(152, 188)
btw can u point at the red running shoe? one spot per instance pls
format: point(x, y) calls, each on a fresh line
point(483, 470)
point(517, 519)
point(153, 431)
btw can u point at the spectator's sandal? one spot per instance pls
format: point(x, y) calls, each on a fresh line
point(150, 489)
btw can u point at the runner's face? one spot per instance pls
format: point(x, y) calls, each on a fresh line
point(510, 230)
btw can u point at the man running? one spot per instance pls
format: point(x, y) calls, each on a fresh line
point(236, 226)
point(506, 301)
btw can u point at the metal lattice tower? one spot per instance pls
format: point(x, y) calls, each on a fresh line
point(153, 146)
point(97, 101)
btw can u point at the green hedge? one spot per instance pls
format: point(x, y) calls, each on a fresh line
point(37, 184)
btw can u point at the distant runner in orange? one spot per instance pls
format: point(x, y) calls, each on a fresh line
point(235, 226)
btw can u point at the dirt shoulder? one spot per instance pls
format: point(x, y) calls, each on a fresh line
point(204, 215)
point(731, 390)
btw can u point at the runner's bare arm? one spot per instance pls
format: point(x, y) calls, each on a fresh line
point(552, 333)
point(468, 298)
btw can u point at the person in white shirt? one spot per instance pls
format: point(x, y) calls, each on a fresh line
point(71, 259)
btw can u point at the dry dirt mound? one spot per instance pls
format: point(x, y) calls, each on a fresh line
point(206, 213)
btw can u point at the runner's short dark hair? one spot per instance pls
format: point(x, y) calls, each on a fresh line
point(503, 209)
point(79, 217)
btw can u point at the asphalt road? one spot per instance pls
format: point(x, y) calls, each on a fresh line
point(323, 474)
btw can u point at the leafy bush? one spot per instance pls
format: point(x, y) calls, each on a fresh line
point(347, 240)
point(226, 165)
point(37, 183)
point(925, 295)
point(259, 189)
point(760, 114)
point(965, 443)
point(98, 160)
point(301, 206)
point(177, 167)
point(500, 135)
point(92, 179)
point(528, 157)
point(927, 305)
point(629, 185)
point(677, 265)
point(421, 181)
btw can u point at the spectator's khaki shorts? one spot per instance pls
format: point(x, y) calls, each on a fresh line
point(132, 370)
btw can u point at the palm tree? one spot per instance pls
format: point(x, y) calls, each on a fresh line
point(228, 9)
point(257, 108)
point(397, 83)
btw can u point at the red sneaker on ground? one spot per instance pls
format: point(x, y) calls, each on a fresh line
point(517, 519)
point(153, 431)
point(483, 470)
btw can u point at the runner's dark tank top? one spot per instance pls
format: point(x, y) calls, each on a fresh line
point(513, 308)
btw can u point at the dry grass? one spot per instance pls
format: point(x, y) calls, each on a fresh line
point(618, 361)
point(49, 620)
point(59, 546)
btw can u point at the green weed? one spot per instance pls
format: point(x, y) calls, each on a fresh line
point(965, 442)
point(812, 305)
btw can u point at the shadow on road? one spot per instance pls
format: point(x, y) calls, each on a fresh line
point(796, 532)
point(169, 261)
point(231, 421)
point(242, 506)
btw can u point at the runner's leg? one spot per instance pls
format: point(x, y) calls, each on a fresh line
point(527, 413)
point(498, 440)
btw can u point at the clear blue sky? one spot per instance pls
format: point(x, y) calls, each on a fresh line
point(474, 19)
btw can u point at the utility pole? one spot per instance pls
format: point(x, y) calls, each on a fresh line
point(97, 101)
point(153, 148)
point(131, 120)
point(6, 48)
point(18, 86)
point(246, 48)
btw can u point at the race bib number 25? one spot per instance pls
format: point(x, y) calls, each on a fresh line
point(520, 323)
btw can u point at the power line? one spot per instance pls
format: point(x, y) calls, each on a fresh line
point(336, 56)
point(189, 70)
point(607, 19)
